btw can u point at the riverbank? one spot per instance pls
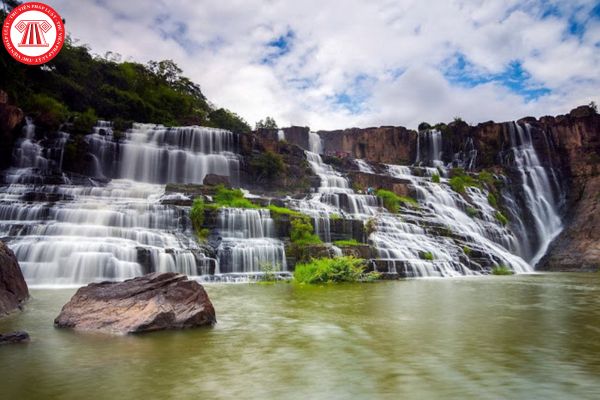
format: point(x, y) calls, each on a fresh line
point(523, 336)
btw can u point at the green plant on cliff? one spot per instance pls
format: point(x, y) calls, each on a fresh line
point(427, 255)
point(330, 270)
point(435, 178)
point(197, 218)
point(370, 226)
point(501, 218)
point(472, 212)
point(487, 178)
point(491, 198)
point(268, 164)
point(392, 201)
point(278, 211)
point(347, 243)
point(267, 123)
point(460, 180)
point(232, 198)
point(302, 232)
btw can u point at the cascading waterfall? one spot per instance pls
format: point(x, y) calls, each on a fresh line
point(248, 243)
point(539, 220)
point(432, 147)
point(97, 233)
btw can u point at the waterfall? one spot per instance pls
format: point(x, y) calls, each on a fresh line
point(156, 154)
point(280, 135)
point(97, 233)
point(432, 147)
point(363, 166)
point(540, 215)
point(248, 242)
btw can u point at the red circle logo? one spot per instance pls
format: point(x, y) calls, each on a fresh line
point(33, 33)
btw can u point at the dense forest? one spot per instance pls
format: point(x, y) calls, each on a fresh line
point(79, 87)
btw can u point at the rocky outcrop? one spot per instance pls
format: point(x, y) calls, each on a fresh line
point(13, 289)
point(14, 337)
point(386, 144)
point(151, 302)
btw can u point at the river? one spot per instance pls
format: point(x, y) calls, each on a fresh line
point(523, 336)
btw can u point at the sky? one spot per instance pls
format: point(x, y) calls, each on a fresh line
point(340, 64)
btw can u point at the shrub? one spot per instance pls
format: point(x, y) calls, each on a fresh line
point(84, 122)
point(427, 256)
point(197, 213)
point(461, 180)
point(268, 164)
point(435, 178)
point(502, 270)
point(392, 201)
point(232, 198)
point(487, 178)
point(269, 271)
point(50, 112)
point(323, 270)
point(302, 232)
point(501, 218)
point(472, 212)
point(423, 126)
point(492, 200)
point(350, 242)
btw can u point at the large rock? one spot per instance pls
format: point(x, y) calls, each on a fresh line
point(148, 303)
point(14, 337)
point(13, 289)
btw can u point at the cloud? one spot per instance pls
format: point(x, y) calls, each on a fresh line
point(327, 64)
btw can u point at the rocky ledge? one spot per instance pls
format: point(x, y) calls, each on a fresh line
point(151, 302)
point(13, 289)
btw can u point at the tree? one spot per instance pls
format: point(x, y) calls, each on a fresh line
point(268, 123)
point(593, 106)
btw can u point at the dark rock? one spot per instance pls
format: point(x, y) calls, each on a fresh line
point(14, 337)
point(13, 289)
point(215, 180)
point(151, 302)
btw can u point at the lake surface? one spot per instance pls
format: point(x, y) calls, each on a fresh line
point(527, 337)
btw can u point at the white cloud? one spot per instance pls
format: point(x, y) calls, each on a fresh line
point(221, 44)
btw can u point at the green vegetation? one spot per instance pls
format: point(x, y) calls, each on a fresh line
point(232, 198)
point(435, 178)
point(370, 226)
point(487, 178)
point(347, 243)
point(269, 271)
point(492, 200)
point(460, 180)
point(423, 126)
point(502, 270)
point(268, 164)
point(467, 250)
point(427, 256)
point(277, 211)
point(197, 213)
point(392, 201)
point(501, 218)
point(472, 212)
point(302, 232)
point(339, 269)
point(268, 123)
point(77, 86)
point(335, 216)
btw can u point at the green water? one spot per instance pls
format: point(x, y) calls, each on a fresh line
point(519, 337)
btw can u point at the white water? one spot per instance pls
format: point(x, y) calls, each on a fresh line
point(248, 244)
point(536, 184)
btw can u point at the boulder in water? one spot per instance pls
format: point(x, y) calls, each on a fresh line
point(215, 180)
point(14, 337)
point(13, 289)
point(151, 302)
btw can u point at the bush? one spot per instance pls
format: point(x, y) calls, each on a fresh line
point(423, 126)
point(268, 164)
point(350, 242)
point(435, 178)
point(197, 214)
point(472, 212)
point(324, 270)
point(301, 233)
point(84, 122)
point(269, 271)
point(502, 270)
point(50, 112)
point(501, 218)
point(232, 198)
point(492, 200)
point(226, 119)
point(427, 256)
point(461, 180)
point(392, 201)
point(487, 178)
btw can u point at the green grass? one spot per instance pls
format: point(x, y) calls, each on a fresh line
point(197, 214)
point(232, 198)
point(472, 212)
point(391, 201)
point(335, 216)
point(435, 178)
point(460, 181)
point(492, 200)
point(501, 218)
point(427, 256)
point(350, 242)
point(502, 270)
point(276, 211)
point(467, 250)
point(339, 269)
point(487, 178)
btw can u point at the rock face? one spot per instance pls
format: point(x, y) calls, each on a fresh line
point(13, 289)
point(151, 302)
point(14, 337)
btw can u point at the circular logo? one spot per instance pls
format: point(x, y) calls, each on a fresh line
point(33, 33)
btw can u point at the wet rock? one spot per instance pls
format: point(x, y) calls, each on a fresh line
point(215, 180)
point(13, 289)
point(151, 302)
point(14, 337)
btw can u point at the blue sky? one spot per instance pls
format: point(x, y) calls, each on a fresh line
point(328, 64)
